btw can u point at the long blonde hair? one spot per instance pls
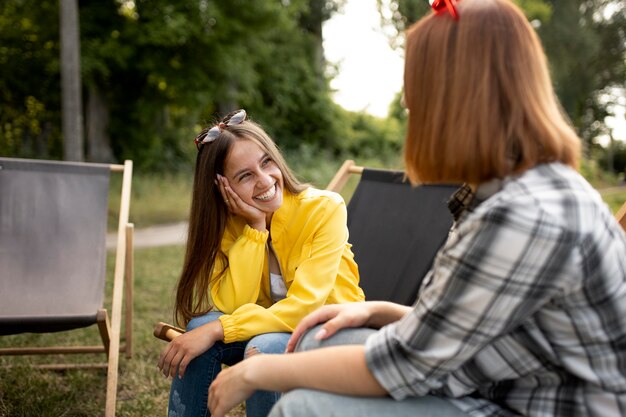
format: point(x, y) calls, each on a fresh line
point(480, 99)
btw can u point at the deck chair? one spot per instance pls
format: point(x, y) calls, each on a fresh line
point(53, 225)
point(395, 230)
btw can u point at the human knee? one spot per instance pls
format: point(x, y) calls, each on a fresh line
point(176, 407)
point(346, 336)
point(202, 320)
point(307, 340)
point(267, 343)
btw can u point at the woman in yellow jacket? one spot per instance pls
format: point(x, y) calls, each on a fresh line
point(268, 250)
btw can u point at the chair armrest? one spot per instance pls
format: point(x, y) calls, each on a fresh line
point(166, 331)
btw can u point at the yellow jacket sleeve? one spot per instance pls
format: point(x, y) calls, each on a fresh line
point(313, 280)
point(240, 281)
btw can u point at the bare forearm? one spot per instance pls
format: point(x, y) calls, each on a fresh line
point(384, 312)
point(339, 369)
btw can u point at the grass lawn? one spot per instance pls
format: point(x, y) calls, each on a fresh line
point(615, 198)
point(142, 391)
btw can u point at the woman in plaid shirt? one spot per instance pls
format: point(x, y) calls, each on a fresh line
point(524, 309)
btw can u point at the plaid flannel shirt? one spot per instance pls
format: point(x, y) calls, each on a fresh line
point(524, 309)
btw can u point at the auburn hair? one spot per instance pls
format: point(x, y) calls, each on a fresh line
point(209, 215)
point(479, 97)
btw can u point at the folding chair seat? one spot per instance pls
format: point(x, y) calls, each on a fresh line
point(53, 224)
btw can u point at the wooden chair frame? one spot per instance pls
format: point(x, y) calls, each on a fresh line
point(110, 330)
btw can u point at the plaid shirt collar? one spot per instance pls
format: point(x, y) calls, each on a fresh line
point(465, 200)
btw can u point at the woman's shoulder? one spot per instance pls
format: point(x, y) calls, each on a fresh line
point(313, 195)
point(549, 193)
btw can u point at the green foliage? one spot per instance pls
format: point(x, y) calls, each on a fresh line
point(611, 158)
point(29, 79)
point(369, 137)
point(398, 15)
point(540, 10)
point(164, 70)
point(614, 198)
point(155, 198)
point(592, 171)
point(586, 46)
point(167, 69)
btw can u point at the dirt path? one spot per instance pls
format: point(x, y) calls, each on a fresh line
point(161, 235)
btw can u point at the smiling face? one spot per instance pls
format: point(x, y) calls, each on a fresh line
point(254, 176)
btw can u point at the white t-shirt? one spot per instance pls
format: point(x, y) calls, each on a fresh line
point(278, 289)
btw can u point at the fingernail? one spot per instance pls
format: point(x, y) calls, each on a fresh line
point(320, 334)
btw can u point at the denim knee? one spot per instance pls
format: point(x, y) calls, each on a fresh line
point(267, 343)
point(346, 336)
point(204, 319)
point(307, 340)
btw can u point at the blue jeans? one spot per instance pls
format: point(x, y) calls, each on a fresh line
point(312, 403)
point(189, 395)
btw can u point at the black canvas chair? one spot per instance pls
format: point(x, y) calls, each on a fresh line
point(53, 225)
point(395, 230)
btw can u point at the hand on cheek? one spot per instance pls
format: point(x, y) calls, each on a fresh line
point(254, 216)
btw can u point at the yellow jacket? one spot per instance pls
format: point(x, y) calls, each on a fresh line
point(310, 239)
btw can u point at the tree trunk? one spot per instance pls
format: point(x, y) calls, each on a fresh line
point(72, 106)
point(98, 141)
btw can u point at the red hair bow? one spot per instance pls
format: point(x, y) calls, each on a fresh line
point(441, 6)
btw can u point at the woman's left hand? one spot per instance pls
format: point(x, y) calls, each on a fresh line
point(184, 348)
point(231, 387)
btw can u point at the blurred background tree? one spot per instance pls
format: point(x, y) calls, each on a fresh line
point(154, 72)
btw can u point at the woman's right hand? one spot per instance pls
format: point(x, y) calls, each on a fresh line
point(373, 314)
point(254, 217)
point(184, 348)
point(334, 317)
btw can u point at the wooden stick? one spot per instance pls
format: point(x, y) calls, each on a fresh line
point(167, 332)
